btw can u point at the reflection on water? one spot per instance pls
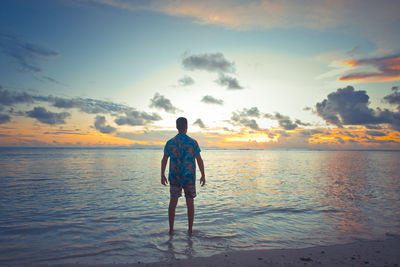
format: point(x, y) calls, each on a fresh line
point(107, 206)
point(346, 189)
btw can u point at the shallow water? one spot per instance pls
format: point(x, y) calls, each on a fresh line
point(107, 205)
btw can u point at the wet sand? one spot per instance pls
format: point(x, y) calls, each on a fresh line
point(361, 253)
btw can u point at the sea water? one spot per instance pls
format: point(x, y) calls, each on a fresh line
point(108, 206)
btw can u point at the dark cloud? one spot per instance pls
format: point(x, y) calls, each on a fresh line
point(8, 98)
point(251, 123)
point(24, 53)
point(373, 127)
point(375, 133)
point(87, 105)
point(283, 133)
point(244, 118)
point(136, 118)
point(65, 132)
point(186, 81)
point(299, 122)
point(251, 112)
point(339, 139)
point(60, 102)
point(310, 132)
point(211, 100)
point(394, 97)
point(209, 62)
point(100, 125)
point(4, 118)
point(387, 69)
point(284, 121)
point(200, 123)
point(160, 102)
point(49, 79)
point(48, 117)
point(231, 83)
point(349, 107)
point(307, 108)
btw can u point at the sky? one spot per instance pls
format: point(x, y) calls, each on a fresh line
point(262, 74)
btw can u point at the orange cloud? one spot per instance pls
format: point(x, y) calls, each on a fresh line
point(386, 69)
point(351, 16)
point(24, 133)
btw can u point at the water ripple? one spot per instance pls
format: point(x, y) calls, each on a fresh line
point(99, 206)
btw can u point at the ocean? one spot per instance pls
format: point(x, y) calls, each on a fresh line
point(66, 205)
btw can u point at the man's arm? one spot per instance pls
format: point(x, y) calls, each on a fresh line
point(201, 167)
point(164, 161)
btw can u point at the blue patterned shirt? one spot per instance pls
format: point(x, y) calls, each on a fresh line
point(182, 152)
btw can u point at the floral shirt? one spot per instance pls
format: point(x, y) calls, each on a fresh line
point(182, 151)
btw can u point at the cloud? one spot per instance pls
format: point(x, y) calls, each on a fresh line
point(375, 133)
point(160, 102)
point(384, 69)
point(394, 98)
point(251, 112)
point(7, 98)
point(373, 127)
point(208, 62)
point(87, 105)
point(230, 82)
point(251, 123)
point(60, 102)
point(347, 106)
point(48, 117)
point(100, 124)
point(200, 123)
point(311, 132)
point(186, 81)
point(24, 53)
point(299, 122)
point(244, 118)
point(136, 118)
point(211, 100)
point(284, 121)
point(350, 17)
point(4, 118)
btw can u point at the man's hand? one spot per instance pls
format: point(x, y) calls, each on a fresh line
point(203, 180)
point(164, 180)
point(201, 167)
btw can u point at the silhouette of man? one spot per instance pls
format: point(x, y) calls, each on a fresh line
point(182, 151)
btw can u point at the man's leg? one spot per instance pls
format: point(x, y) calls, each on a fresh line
point(190, 213)
point(171, 213)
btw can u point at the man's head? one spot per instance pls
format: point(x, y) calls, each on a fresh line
point(181, 124)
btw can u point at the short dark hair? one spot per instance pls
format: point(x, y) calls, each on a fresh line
point(181, 124)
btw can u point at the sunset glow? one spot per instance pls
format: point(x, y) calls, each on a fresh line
point(247, 75)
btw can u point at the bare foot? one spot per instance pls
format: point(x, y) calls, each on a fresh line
point(190, 232)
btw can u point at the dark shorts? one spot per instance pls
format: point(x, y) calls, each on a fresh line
point(176, 190)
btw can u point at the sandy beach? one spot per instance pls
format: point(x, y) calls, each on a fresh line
point(361, 253)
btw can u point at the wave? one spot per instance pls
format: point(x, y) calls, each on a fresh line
point(293, 210)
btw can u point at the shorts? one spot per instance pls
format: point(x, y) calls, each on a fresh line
point(176, 190)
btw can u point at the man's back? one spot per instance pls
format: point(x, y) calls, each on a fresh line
point(182, 151)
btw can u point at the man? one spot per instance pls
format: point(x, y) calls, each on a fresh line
point(182, 151)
